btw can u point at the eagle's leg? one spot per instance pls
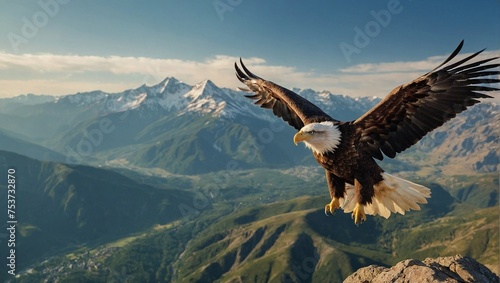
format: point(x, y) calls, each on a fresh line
point(336, 187)
point(334, 204)
point(358, 213)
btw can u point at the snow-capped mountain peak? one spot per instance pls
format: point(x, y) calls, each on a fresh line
point(204, 98)
point(171, 85)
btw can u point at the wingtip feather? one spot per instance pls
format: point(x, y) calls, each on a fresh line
point(248, 73)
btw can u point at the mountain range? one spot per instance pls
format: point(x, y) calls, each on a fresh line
point(196, 182)
point(165, 124)
point(197, 129)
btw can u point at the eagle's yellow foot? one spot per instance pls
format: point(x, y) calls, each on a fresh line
point(358, 214)
point(330, 208)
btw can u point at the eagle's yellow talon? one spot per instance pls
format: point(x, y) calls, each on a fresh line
point(358, 214)
point(330, 208)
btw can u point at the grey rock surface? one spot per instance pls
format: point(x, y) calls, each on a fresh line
point(442, 269)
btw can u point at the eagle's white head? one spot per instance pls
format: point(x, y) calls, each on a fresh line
point(319, 137)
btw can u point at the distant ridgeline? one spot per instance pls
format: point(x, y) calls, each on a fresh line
point(198, 129)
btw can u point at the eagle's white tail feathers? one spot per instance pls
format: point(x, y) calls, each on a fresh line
point(393, 194)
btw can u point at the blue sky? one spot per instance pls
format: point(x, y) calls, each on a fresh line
point(357, 48)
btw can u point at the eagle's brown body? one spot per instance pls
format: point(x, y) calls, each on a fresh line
point(347, 149)
point(347, 164)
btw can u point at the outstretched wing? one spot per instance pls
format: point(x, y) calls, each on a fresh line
point(412, 110)
point(286, 104)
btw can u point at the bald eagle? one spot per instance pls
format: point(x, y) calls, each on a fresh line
point(347, 150)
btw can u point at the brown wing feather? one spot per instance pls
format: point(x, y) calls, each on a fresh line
point(412, 110)
point(286, 104)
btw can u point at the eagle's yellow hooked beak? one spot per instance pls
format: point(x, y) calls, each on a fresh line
point(300, 137)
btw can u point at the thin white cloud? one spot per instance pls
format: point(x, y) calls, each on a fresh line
point(65, 74)
point(218, 68)
point(412, 66)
